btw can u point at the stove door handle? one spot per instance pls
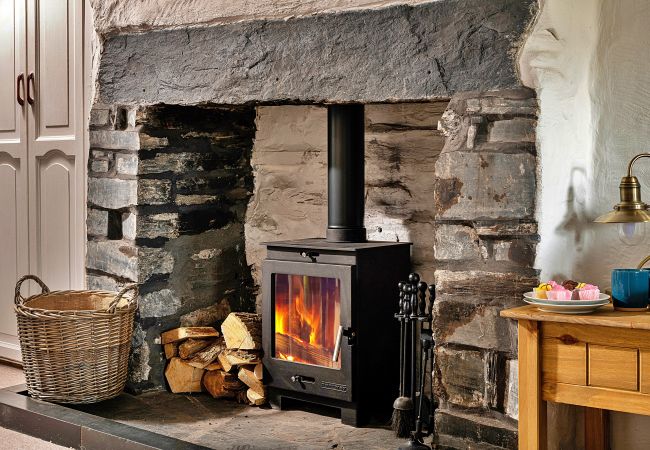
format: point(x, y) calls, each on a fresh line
point(337, 346)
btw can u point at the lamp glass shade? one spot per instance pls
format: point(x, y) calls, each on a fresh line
point(625, 216)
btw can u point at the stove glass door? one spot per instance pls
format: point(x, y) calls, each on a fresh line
point(307, 319)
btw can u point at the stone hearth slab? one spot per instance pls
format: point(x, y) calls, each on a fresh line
point(164, 420)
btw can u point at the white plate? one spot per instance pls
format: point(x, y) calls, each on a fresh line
point(601, 298)
point(567, 306)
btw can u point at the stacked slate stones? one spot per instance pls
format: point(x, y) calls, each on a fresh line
point(168, 188)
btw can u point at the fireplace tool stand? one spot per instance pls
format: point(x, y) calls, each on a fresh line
point(415, 316)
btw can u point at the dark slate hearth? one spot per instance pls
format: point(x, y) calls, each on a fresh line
point(398, 53)
point(161, 420)
point(71, 428)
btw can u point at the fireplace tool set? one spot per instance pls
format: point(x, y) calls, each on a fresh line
point(415, 316)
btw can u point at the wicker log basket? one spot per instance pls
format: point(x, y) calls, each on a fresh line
point(75, 344)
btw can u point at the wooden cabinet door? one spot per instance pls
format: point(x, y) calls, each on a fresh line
point(55, 136)
point(13, 169)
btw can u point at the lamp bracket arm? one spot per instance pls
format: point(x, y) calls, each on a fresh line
point(643, 262)
point(635, 159)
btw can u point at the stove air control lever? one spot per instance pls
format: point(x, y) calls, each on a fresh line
point(302, 379)
point(339, 337)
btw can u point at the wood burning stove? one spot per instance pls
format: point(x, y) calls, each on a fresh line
point(328, 328)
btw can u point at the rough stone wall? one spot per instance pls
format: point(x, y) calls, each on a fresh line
point(484, 248)
point(373, 55)
point(290, 167)
point(167, 194)
point(469, 208)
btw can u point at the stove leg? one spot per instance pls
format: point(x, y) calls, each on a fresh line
point(350, 416)
point(275, 399)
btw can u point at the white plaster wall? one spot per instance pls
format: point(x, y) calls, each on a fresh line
point(116, 15)
point(590, 63)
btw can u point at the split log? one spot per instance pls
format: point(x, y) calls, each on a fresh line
point(243, 331)
point(180, 334)
point(182, 377)
point(254, 398)
point(222, 384)
point(208, 355)
point(231, 359)
point(248, 377)
point(303, 352)
point(258, 371)
point(225, 364)
point(171, 350)
point(191, 346)
point(214, 366)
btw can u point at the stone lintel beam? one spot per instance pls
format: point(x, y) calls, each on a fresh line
point(391, 54)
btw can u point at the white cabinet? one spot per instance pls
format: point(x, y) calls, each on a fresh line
point(42, 164)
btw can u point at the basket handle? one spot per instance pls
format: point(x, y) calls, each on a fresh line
point(118, 297)
point(19, 299)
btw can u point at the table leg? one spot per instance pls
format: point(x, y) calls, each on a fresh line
point(532, 409)
point(596, 429)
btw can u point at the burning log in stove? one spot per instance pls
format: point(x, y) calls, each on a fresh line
point(302, 352)
point(226, 367)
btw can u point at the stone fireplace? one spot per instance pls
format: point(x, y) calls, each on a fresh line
point(208, 141)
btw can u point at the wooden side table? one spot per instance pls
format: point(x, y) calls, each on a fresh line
point(600, 360)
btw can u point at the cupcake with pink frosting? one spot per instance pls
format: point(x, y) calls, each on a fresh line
point(558, 292)
point(541, 290)
point(588, 292)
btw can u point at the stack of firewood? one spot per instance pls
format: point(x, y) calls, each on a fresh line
point(228, 366)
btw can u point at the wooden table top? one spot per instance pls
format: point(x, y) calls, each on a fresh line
point(605, 316)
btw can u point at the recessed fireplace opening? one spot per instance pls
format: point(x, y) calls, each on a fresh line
point(211, 183)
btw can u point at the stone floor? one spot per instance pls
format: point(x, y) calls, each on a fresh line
point(218, 424)
point(223, 424)
point(9, 439)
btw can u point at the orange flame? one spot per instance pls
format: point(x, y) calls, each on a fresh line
point(301, 334)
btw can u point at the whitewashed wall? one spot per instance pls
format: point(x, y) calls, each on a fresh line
point(115, 15)
point(589, 61)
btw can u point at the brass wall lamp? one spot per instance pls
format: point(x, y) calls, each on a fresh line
point(631, 213)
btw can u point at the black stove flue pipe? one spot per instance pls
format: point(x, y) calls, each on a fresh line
point(345, 173)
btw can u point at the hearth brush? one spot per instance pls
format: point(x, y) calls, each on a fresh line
point(415, 440)
point(402, 420)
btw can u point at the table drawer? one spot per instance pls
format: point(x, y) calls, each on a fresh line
point(595, 356)
point(613, 367)
point(564, 361)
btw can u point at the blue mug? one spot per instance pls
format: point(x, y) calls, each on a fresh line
point(630, 289)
